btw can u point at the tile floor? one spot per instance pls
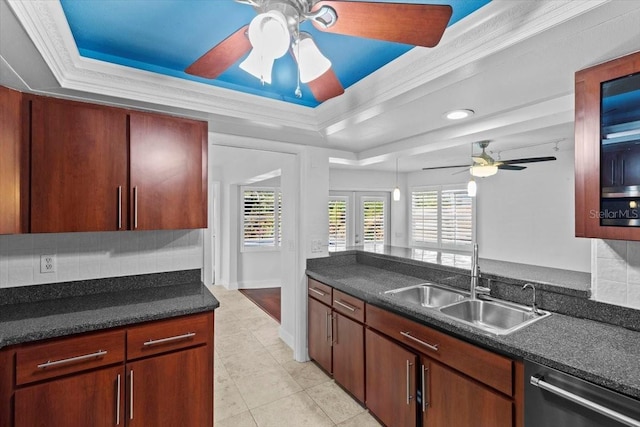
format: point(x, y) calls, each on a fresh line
point(257, 382)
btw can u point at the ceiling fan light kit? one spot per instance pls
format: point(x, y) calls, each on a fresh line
point(483, 171)
point(278, 21)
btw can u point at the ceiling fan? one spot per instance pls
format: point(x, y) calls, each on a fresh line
point(276, 30)
point(484, 165)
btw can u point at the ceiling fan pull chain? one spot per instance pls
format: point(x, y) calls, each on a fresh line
point(298, 91)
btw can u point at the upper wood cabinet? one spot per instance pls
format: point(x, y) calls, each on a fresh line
point(78, 167)
point(168, 172)
point(14, 166)
point(98, 168)
point(607, 162)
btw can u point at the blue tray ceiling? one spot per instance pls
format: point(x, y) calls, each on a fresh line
point(166, 36)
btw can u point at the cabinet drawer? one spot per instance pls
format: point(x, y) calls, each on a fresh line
point(349, 306)
point(68, 355)
point(489, 368)
point(168, 335)
point(319, 291)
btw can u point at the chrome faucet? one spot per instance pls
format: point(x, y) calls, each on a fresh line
point(534, 306)
point(475, 276)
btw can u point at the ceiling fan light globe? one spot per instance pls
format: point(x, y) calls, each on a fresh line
point(311, 61)
point(472, 188)
point(258, 66)
point(483, 171)
point(269, 34)
point(396, 194)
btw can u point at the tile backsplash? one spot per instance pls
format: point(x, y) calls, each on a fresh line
point(82, 256)
point(615, 272)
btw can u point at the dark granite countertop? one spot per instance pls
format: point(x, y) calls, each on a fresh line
point(597, 352)
point(33, 313)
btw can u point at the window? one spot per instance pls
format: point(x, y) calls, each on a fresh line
point(338, 224)
point(373, 221)
point(442, 217)
point(261, 218)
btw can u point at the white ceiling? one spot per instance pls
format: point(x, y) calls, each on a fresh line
point(512, 62)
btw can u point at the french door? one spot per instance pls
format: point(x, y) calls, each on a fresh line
point(358, 218)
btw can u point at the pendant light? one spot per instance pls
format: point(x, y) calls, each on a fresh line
point(396, 191)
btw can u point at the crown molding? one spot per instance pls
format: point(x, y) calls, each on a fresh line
point(409, 77)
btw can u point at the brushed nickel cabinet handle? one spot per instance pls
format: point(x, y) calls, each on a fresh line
point(135, 207)
point(131, 395)
point(347, 306)
point(118, 401)
point(334, 324)
point(119, 207)
point(433, 347)
point(164, 340)
point(50, 363)
point(425, 378)
point(317, 292)
point(409, 397)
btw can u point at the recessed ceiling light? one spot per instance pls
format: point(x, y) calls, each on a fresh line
point(458, 114)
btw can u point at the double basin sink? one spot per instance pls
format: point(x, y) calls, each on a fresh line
point(487, 314)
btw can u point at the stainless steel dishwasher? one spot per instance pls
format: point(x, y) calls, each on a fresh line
point(555, 399)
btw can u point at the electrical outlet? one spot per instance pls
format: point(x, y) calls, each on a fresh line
point(316, 246)
point(48, 263)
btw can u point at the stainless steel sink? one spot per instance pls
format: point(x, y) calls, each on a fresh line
point(428, 295)
point(496, 317)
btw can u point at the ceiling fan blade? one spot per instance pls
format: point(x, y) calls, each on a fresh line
point(527, 160)
point(414, 24)
point(511, 167)
point(480, 160)
point(445, 167)
point(326, 86)
point(222, 56)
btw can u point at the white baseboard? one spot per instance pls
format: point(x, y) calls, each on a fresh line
point(286, 337)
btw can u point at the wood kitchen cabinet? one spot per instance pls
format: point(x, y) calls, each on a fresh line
point(319, 322)
point(336, 336)
point(90, 399)
point(452, 399)
point(99, 168)
point(14, 164)
point(168, 172)
point(390, 381)
point(154, 374)
point(607, 161)
point(78, 167)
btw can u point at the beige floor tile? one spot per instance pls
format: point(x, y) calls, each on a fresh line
point(219, 370)
point(242, 342)
point(334, 401)
point(306, 374)
point(226, 328)
point(227, 399)
point(280, 351)
point(266, 387)
point(361, 420)
point(250, 364)
point(244, 419)
point(251, 312)
point(252, 323)
point(267, 335)
point(297, 410)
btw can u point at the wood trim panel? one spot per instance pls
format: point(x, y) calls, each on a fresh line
point(168, 335)
point(317, 289)
point(518, 393)
point(354, 303)
point(587, 147)
point(30, 356)
point(487, 367)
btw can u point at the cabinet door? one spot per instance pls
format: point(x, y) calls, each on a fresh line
point(390, 381)
point(348, 355)
point(94, 399)
point(175, 389)
point(168, 172)
point(451, 399)
point(13, 164)
point(319, 331)
point(78, 167)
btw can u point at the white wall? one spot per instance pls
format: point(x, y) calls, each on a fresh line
point(354, 180)
point(82, 256)
point(525, 216)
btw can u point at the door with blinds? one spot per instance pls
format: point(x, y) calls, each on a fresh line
point(358, 218)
